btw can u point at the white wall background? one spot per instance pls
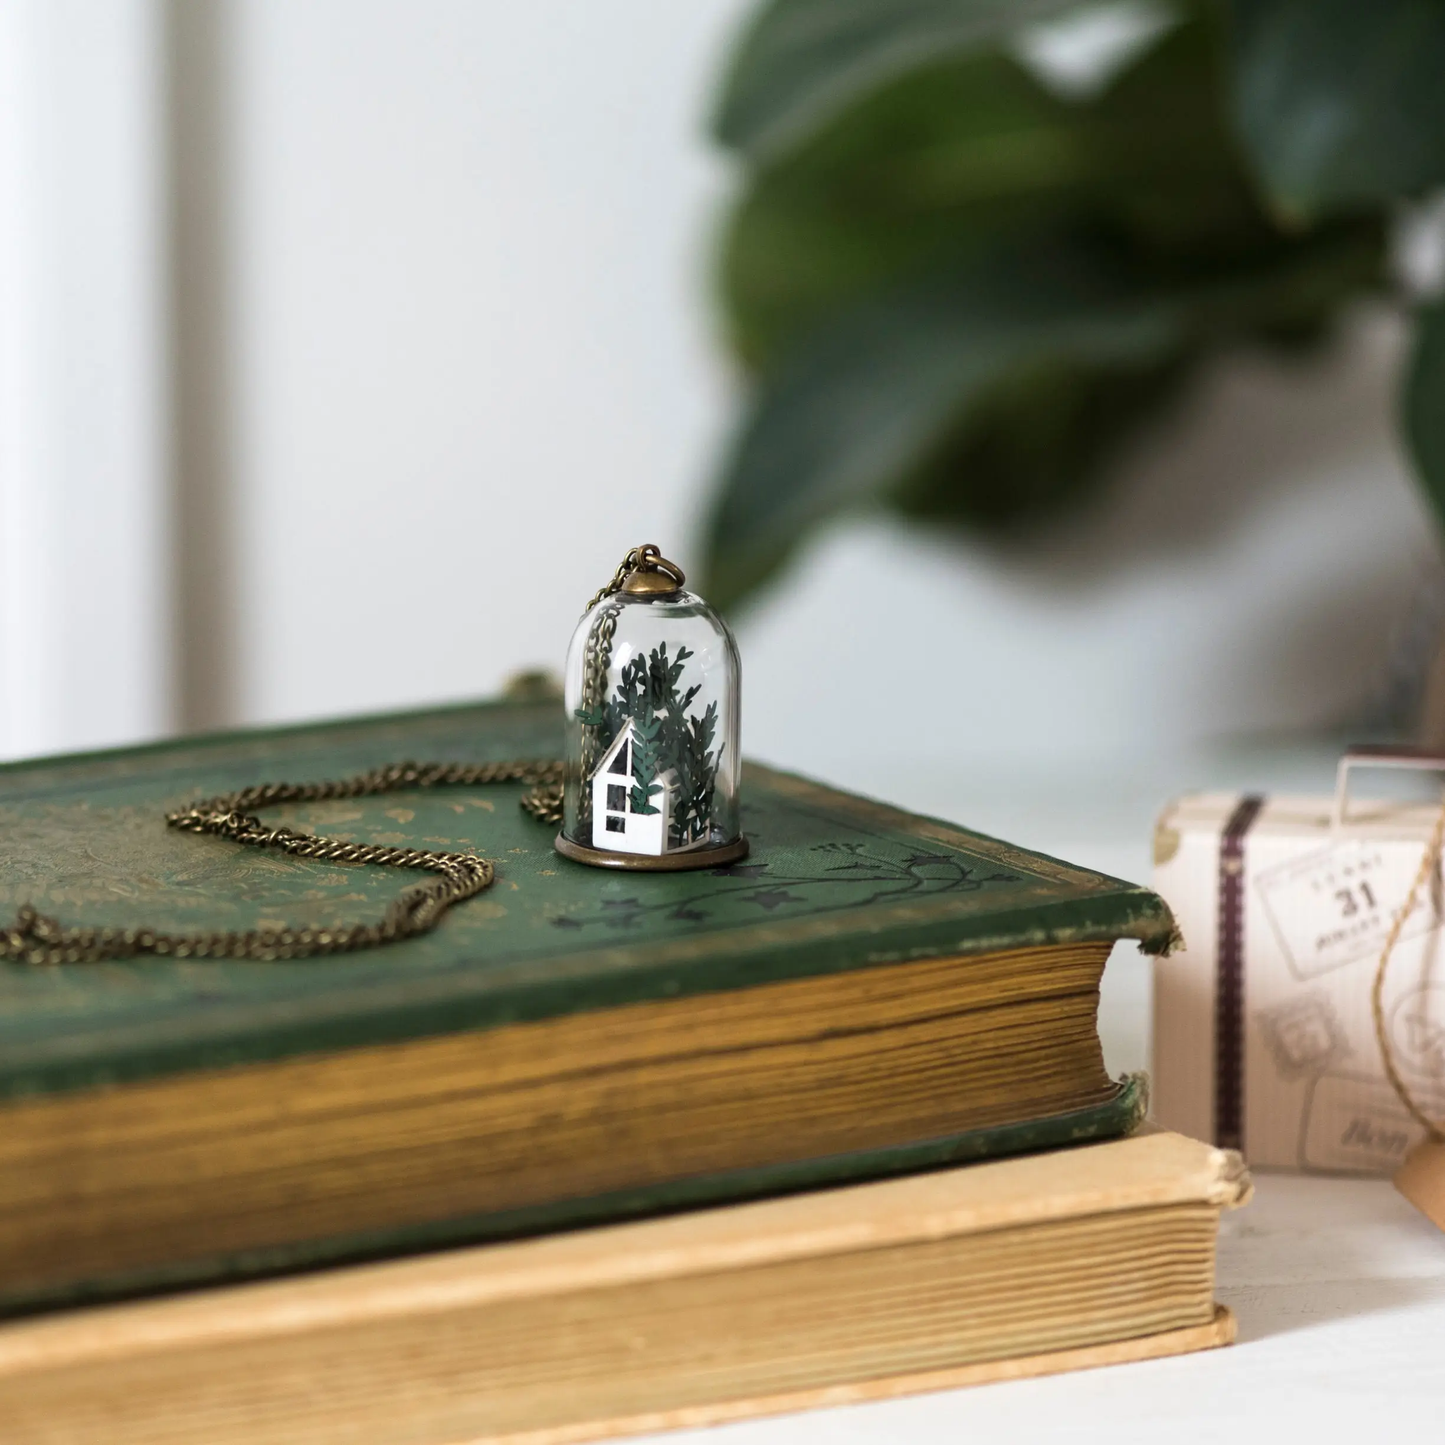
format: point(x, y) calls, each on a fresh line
point(471, 351)
point(443, 351)
point(84, 563)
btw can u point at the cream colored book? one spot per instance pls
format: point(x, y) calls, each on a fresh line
point(1086, 1256)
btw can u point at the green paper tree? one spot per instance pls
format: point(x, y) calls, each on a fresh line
point(665, 738)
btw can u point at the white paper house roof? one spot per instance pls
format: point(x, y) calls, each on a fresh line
point(604, 763)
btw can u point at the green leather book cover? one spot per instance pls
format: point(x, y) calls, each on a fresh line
point(832, 882)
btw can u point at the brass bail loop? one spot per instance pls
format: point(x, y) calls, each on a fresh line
point(651, 574)
point(643, 572)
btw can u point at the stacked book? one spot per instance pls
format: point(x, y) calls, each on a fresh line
point(605, 1152)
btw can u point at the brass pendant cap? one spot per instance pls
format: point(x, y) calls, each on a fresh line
point(654, 576)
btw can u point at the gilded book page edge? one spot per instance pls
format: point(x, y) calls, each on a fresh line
point(1218, 1332)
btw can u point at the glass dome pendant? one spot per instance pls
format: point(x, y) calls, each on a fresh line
point(652, 726)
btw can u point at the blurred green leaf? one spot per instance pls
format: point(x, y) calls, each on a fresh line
point(960, 292)
point(801, 60)
point(991, 391)
point(1425, 403)
point(957, 154)
point(942, 160)
point(1037, 442)
point(1341, 102)
point(873, 394)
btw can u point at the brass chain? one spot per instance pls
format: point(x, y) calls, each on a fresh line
point(636, 558)
point(597, 659)
point(33, 938)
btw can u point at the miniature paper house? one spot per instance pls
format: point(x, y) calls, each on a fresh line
point(615, 825)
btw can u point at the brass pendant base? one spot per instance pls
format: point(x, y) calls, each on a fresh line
point(653, 863)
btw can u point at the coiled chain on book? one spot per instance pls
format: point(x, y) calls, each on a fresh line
point(34, 938)
point(596, 659)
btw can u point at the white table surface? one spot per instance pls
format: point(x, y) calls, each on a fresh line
point(1338, 1284)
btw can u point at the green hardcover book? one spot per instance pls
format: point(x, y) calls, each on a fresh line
point(868, 992)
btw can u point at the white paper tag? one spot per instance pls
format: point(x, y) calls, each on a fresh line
point(1335, 906)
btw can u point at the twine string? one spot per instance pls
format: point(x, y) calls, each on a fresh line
point(1429, 862)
